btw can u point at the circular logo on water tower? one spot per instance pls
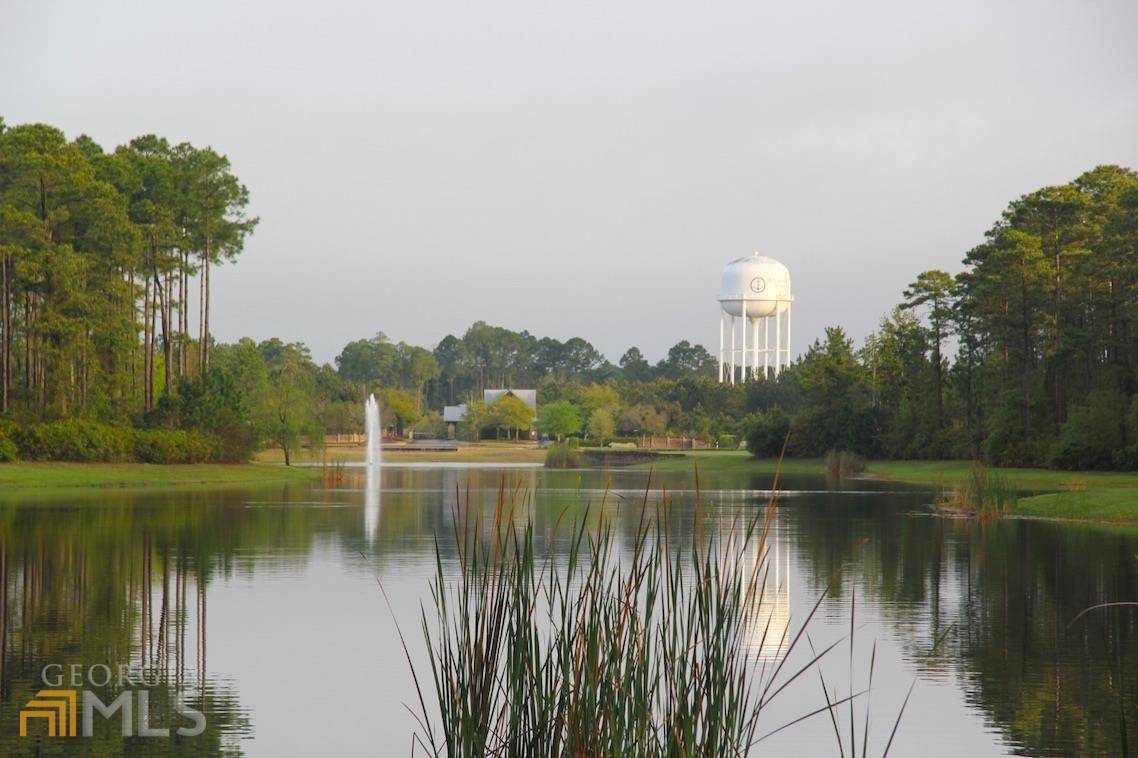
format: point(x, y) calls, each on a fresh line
point(758, 285)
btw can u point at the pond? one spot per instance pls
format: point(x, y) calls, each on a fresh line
point(261, 610)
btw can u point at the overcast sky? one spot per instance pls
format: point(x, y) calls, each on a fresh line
point(586, 168)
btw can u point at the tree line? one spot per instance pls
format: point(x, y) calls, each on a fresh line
point(104, 254)
point(415, 382)
point(99, 253)
point(459, 369)
point(1028, 356)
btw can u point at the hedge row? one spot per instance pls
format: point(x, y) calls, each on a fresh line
point(89, 441)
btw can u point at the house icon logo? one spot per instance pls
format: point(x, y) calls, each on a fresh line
point(56, 707)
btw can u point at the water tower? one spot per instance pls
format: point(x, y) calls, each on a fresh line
point(755, 289)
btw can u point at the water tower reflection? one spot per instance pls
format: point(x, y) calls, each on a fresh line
point(765, 562)
point(768, 619)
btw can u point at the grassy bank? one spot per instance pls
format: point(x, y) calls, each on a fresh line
point(948, 473)
point(951, 473)
point(1107, 505)
point(29, 476)
point(713, 461)
point(1103, 496)
point(1084, 495)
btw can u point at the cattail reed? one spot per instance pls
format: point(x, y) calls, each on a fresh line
point(614, 647)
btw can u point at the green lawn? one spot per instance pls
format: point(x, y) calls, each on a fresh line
point(1110, 505)
point(24, 476)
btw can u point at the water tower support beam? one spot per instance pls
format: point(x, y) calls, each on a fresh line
point(789, 305)
point(732, 349)
point(743, 353)
point(777, 337)
point(721, 345)
point(766, 347)
point(755, 348)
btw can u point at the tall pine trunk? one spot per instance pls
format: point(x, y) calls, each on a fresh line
point(28, 342)
point(205, 303)
point(208, 305)
point(147, 349)
point(1060, 361)
point(162, 299)
point(183, 313)
point(6, 325)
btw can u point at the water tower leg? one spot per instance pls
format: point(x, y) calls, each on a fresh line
point(743, 353)
point(732, 349)
point(788, 307)
point(767, 347)
point(777, 337)
point(755, 349)
point(721, 346)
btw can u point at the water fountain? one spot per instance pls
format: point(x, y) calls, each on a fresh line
point(374, 432)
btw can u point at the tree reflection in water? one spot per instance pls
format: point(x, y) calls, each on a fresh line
point(125, 577)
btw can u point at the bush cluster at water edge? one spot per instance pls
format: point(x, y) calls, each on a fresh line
point(562, 456)
point(842, 463)
point(92, 442)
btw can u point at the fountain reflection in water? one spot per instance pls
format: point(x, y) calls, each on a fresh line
point(372, 467)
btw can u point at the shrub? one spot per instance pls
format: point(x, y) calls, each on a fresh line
point(843, 463)
point(766, 432)
point(430, 424)
point(1126, 459)
point(984, 493)
point(562, 456)
point(91, 442)
point(8, 451)
point(216, 405)
point(948, 443)
point(1027, 453)
point(1092, 433)
point(173, 446)
point(74, 440)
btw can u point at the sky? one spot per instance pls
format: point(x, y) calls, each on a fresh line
point(587, 168)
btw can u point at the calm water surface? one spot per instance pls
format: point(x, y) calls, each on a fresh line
point(262, 608)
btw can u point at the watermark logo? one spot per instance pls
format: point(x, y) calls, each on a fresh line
point(72, 712)
point(56, 707)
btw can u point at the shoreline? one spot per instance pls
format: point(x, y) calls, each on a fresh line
point(467, 452)
point(20, 477)
point(1097, 497)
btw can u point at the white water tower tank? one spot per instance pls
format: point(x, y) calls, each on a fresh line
point(756, 291)
point(754, 287)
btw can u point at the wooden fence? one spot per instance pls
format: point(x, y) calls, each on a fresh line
point(673, 443)
point(338, 440)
